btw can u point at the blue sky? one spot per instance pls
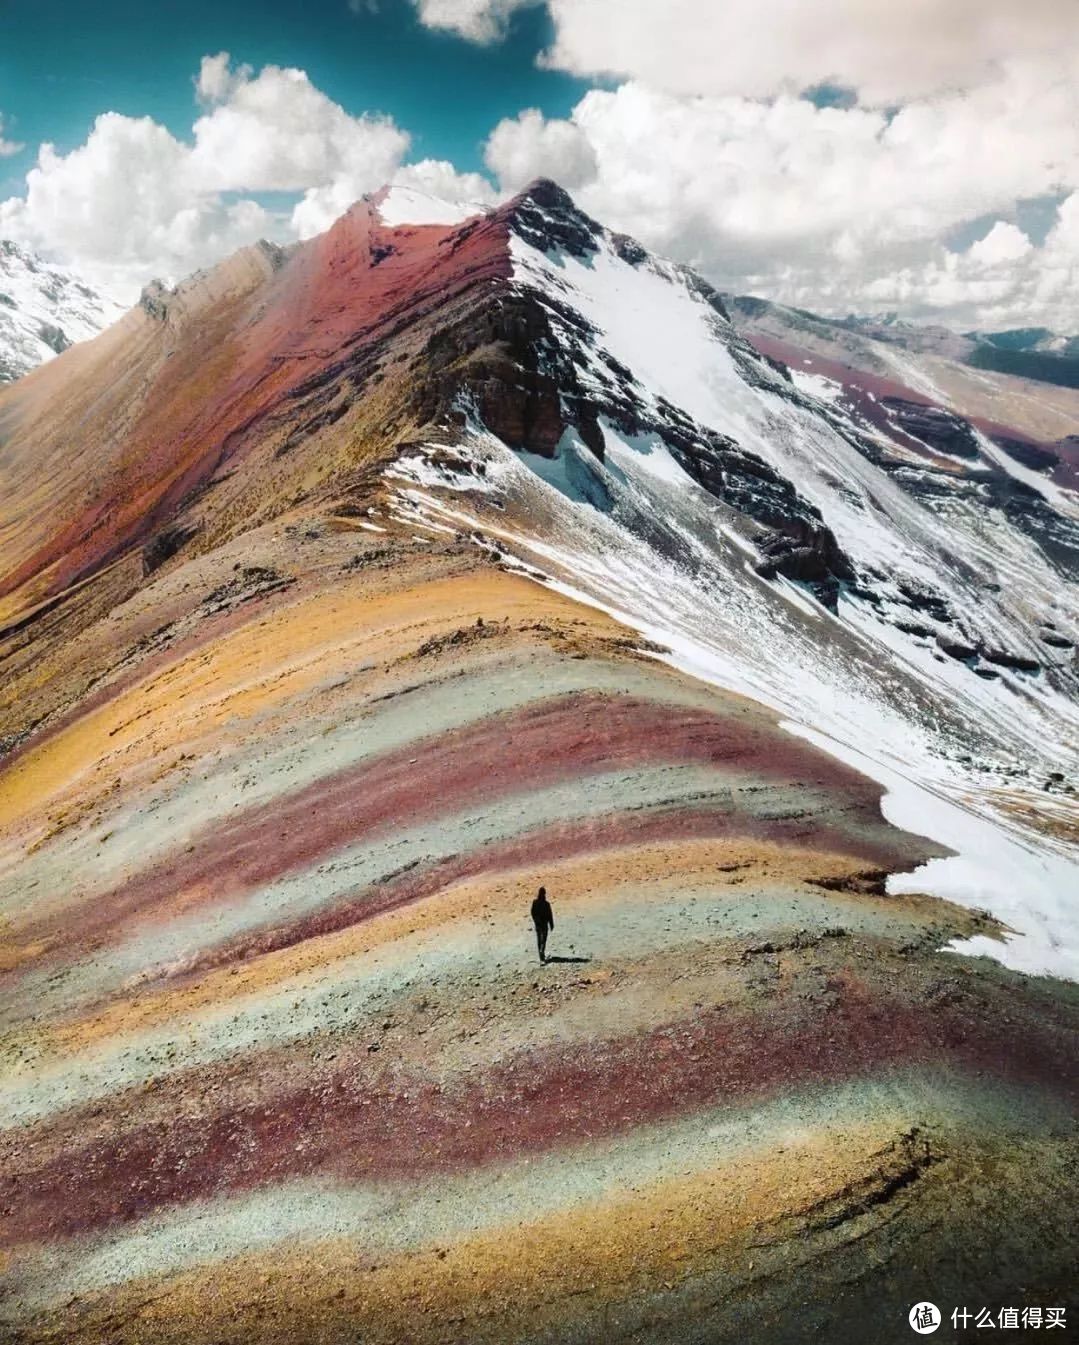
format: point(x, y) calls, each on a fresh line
point(62, 62)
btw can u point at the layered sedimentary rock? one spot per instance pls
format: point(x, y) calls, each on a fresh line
point(280, 1063)
point(288, 749)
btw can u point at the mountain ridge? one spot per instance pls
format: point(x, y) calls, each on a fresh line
point(306, 354)
point(352, 592)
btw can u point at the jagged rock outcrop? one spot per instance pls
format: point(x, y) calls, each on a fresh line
point(934, 426)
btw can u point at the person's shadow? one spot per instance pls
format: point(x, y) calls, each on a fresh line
point(569, 959)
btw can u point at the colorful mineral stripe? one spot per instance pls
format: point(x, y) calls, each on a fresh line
point(280, 1063)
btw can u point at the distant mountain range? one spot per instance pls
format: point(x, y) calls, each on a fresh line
point(1034, 353)
point(43, 310)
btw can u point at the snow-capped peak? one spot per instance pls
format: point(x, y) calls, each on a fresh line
point(896, 590)
point(44, 308)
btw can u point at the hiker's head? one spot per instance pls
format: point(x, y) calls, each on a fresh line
point(542, 893)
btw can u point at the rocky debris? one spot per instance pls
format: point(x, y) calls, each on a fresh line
point(815, 559)
point(503, 358)
point(965, 650)
point(164, 545)
point(154, 300)
point(460, 638)
point(636, 646)
point(802, 939)
point(921, 598)
point(376, 557)
point(546, 217)
point(1015, 662)
point(940, 429)
point(871, 882)
point(253, 581)
point(956, 649)
point(54, 337)
point(628, 249)
point(1037, 457)
point(901, 1164)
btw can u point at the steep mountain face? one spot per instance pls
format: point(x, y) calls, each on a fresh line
point(347, 593)
point(919, 580)
point(43, 310)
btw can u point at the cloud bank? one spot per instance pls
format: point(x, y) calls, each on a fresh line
point(837, 208)
point(890, 52)
point(952, 114)
point(904, 182)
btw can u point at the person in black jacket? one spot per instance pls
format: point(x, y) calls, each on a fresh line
point(543, 919)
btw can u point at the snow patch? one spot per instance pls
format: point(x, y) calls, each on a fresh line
point(1028, 888)
point(409, 205)
point(817, 385)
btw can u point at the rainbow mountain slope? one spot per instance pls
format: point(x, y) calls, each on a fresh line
point(287, 749)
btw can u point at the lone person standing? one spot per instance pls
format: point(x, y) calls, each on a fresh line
point(543, 919)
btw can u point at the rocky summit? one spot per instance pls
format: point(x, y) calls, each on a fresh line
point(351, 591)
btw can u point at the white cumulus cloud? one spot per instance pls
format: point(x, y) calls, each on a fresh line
point(439, 178)
point(134, 201)
point(890, 52)
point(528, 146)
point(961, 114)
point(478, 20)
point(217, 78)
point(1003, 245)
point(834, 207)
point(277, 132)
